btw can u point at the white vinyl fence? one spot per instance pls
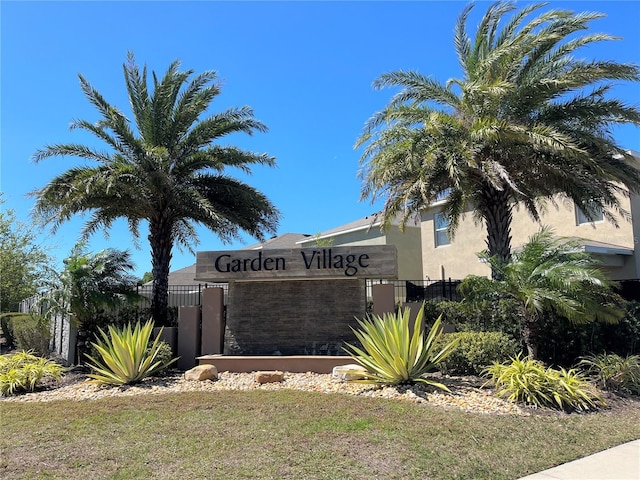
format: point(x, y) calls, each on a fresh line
point(62, 343)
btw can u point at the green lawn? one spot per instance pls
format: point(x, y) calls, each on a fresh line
point(290, 434)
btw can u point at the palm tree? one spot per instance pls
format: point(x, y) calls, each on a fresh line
point(165, 170)
point(519, 127)
point(88, 284)
point(548, 274)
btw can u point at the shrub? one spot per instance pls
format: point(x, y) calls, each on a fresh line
point(393, 354)
point(125, 356)
point(562, 342)
point(613, 372)
point(6, 325)
point(624, 337)
point(164, 355)
point(23, 371)
point(528, 381)
point(31, 333)
point(477, 350)
point(498, 316)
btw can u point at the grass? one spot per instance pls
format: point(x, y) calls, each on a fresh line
point(290, 434)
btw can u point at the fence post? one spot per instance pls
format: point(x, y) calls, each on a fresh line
point(188, 336)
point(212, 336)
point(383, 298)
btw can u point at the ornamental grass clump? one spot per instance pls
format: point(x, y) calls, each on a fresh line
point(23, 372)
point(394, 354)
point(126, 356)
point(529, 381)
point(613, 372)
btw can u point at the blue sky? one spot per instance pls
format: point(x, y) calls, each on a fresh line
point(305, 68)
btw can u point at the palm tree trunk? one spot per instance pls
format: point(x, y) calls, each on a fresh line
point(498, 215)
point(530, 334)
point(161, 243)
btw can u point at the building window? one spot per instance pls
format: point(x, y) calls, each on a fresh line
point(442, 196)
point(441, 223)
point(581, 217)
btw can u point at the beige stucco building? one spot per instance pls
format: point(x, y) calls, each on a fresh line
point(366, 231)
point(615, 247)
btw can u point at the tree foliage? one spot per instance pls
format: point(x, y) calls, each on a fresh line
point(528, 121)
point(163, 167)
point(23, 261)
point(146, 277)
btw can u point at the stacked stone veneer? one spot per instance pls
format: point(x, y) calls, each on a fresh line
point(311, 317)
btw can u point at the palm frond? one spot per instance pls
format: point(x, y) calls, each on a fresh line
point(76, 150)
point(462, 41)
point(138, 93)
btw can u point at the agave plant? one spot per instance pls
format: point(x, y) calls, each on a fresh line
point(393, 354)
point(126, 357)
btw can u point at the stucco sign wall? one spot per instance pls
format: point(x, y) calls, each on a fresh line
point(379, 261)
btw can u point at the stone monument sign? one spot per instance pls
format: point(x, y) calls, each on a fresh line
point(298, 301)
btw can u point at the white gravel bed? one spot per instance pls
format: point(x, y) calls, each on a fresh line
point(466, 398)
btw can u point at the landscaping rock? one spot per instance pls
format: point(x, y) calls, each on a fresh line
point(202, 372)
point(467, 396)
point(269, 377)
point(346, 373)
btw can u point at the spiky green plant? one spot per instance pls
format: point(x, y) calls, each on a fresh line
point(393, 354)
point(126, 356)
point(529, 381)
point(614, 372)
point(23, 371)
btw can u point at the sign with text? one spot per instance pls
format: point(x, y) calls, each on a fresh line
point(376, 261)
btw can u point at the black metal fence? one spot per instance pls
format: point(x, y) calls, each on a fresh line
point(405, 291)
point(179, 295)
point(422, 290)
